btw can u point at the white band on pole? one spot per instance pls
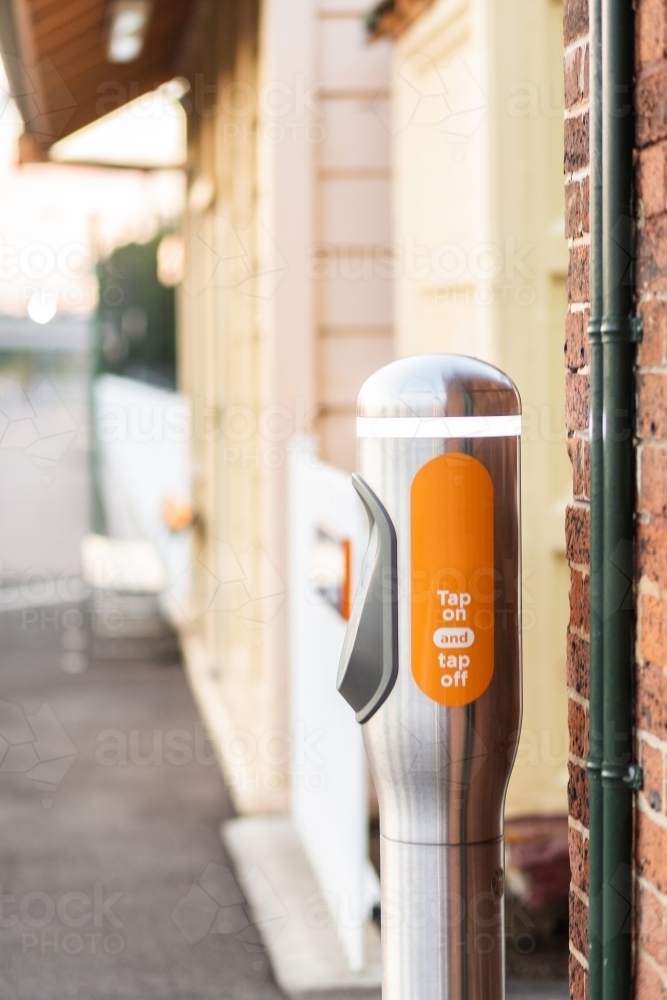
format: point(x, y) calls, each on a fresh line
point(439, 427)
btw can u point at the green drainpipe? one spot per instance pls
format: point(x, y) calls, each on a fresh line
point(594, 763)
point(619, 334)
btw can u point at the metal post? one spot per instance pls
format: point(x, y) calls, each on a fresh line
point(618, 335)
point(432, 663)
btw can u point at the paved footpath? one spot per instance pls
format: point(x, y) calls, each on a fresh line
point(115, 883)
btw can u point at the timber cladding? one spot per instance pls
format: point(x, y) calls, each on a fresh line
point(651, 542)
point(650, 888)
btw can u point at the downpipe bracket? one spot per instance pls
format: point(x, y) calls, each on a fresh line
point(628, 330)
point(629, 776)
point(594, 767)
point(595, 330)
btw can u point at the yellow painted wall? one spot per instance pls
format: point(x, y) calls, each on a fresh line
point(477, 199)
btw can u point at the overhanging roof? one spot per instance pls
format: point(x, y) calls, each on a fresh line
point(393, 17)
point(55, 56)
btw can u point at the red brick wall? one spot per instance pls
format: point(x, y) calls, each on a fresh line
point(651, 719)
point(577, 402)
point(651, 651)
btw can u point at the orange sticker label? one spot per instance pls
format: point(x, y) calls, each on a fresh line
point(451, 513)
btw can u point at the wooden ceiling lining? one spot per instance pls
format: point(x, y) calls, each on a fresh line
point(66, 47)
point(37, 6)
point(59, 13)
point(78, 49)
point(90, 46)
point(93, 69)
point(53, 34)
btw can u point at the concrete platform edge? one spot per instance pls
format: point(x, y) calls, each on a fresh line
point(287, 905)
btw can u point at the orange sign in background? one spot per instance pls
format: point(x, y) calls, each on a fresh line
point(451, 514)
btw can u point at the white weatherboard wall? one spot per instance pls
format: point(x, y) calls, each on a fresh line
point(329, 771)
point(143, 441)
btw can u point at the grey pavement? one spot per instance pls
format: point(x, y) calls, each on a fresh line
point(115, 883)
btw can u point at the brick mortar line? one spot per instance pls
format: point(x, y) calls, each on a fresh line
point(581, 174)
point(652, 370)
point(651, 69)
point(580, 633)
point(647, 809)
point(580, 762)
point(579, 893)
point(649, 441)
point(574, 242)
point(646, 884)
point(577, 825)
point(569, 690)
point(578, 43)
point(658, 969)
point(650, 588)
point(577, 698)
point(583, 102)
point(578, 307)
point(646, 587)
point(644, 807)
point(583, 568)
point(581, 959)
point(645, 736)
point(576, 110)
point(650, 517)
point(650, 664)
point(641, 222)
point(644, 664)
point(577, 630)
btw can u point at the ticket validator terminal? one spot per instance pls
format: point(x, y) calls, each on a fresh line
point(432, 663)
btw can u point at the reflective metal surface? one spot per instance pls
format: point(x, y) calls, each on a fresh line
point(443, 937)
point(441, 773)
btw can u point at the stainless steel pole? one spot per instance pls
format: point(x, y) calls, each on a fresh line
point(432, 663)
